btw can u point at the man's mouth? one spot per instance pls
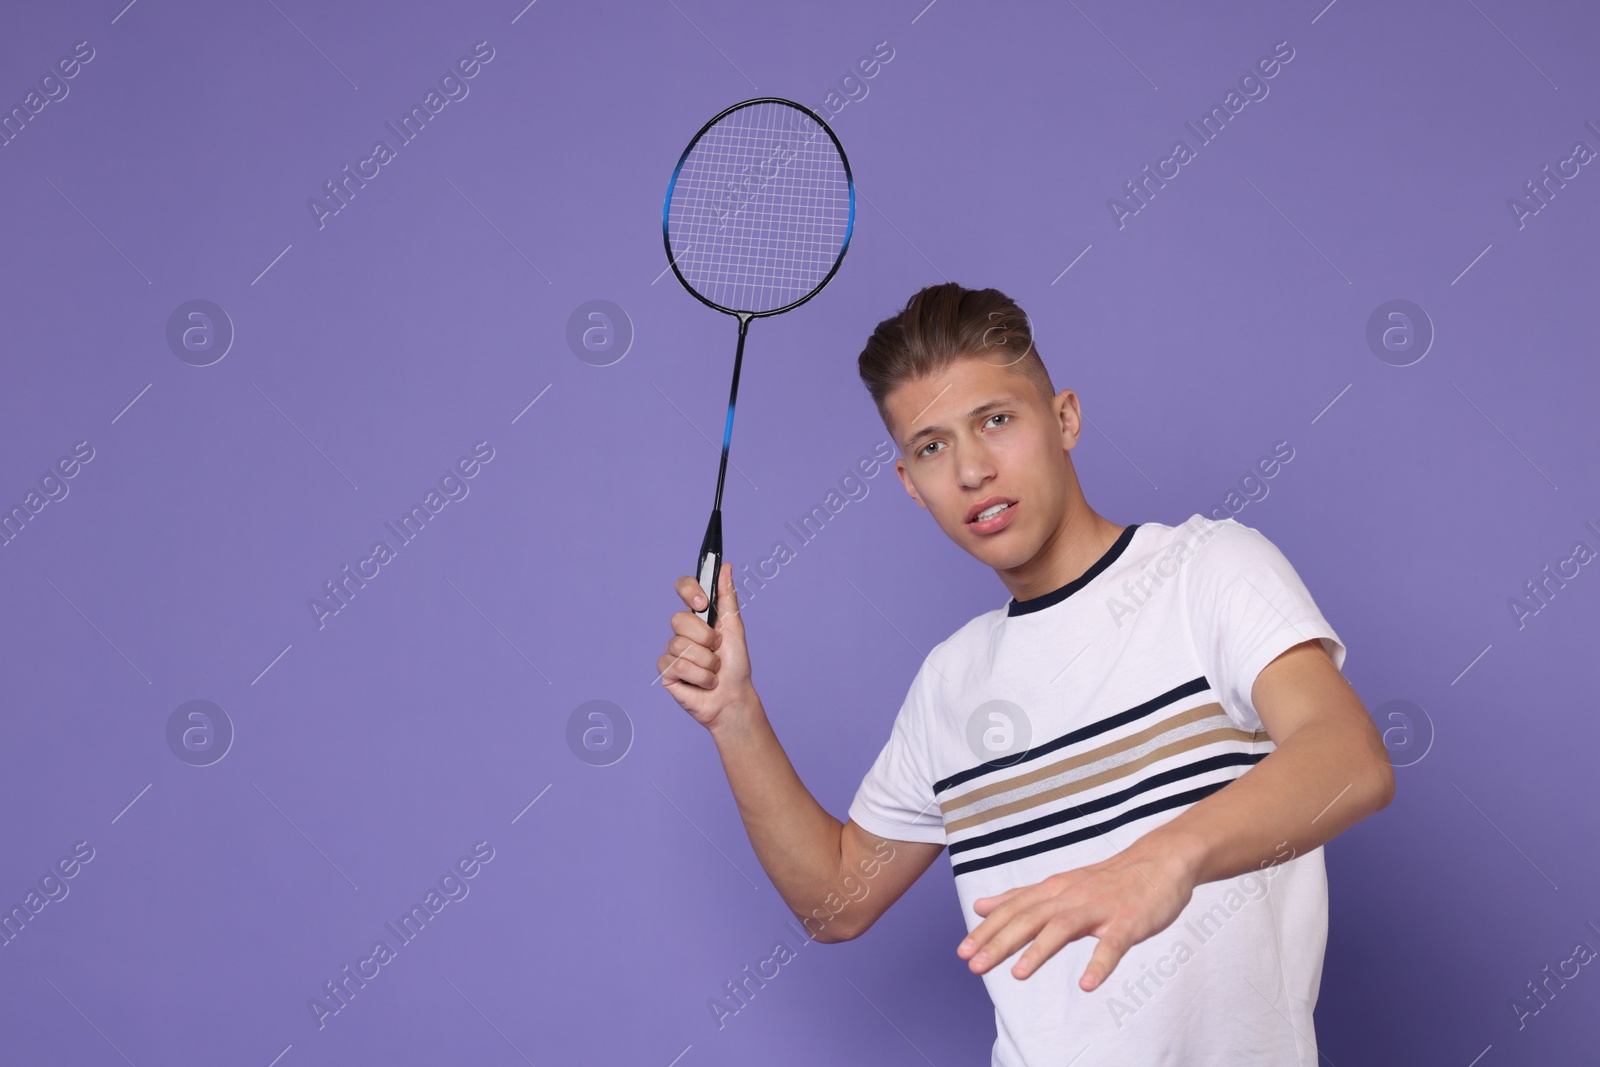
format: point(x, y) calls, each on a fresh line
point(985, 510)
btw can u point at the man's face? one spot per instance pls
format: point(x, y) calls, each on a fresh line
point(980, 433)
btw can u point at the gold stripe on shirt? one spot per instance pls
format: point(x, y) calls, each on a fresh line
point(1225, 732)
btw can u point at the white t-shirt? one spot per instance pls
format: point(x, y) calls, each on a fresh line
point(1053, 732)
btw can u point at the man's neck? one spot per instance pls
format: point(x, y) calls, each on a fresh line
point(1081, 539)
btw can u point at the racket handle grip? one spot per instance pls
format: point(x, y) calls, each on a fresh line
point(710, 566)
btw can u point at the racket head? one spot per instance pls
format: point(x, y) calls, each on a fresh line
point(760, 208)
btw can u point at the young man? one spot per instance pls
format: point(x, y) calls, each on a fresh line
point(1134, 762)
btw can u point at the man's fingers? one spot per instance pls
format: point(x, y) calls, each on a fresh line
point(694, 598)
point(693, 627)
point(996, 916)
point(679, 668)
point(698, 654)
point(1055, 934)
point(1018, 931)
point(728, 600)
point(1107, 954)
point(726, 589)
point(1008, 928)
point(983, 905)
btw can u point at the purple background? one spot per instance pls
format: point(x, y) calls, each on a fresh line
point(370, 754)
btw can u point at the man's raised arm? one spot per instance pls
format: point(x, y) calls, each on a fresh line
point(836, 877)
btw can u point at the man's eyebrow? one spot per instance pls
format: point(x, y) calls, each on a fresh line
point(929, 431)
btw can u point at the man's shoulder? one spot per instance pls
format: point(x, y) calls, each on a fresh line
point(1210, 546)
point(1217, 548)
point(1220, 537)
point(977, 628)
point(968, 636)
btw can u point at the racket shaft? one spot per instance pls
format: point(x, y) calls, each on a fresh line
point(711, 546)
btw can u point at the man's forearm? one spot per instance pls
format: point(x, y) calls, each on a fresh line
point(796, 840)
point(1320, 781)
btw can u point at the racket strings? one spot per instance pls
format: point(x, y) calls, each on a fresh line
point(760, 210)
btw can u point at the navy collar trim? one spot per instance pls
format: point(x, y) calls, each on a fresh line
point(1056, 596)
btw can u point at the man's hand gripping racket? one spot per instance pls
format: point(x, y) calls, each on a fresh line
point(706, 668)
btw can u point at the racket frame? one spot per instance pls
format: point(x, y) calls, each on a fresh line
point(666, 207)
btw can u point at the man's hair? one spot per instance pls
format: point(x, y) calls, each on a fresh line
point(943, 323)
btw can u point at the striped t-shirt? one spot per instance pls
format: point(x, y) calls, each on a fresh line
point(1051, 733)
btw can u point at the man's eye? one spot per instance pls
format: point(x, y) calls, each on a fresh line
point(1000, 415)
point(924, 450)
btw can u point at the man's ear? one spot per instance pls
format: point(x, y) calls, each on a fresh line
point(905, 480)
point(1069, 417)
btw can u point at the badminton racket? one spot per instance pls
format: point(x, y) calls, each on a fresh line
point(757, 219)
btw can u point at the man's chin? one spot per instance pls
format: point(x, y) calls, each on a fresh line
point(1014, 552)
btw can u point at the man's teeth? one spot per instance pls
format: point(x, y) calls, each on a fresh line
point(986, 515)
